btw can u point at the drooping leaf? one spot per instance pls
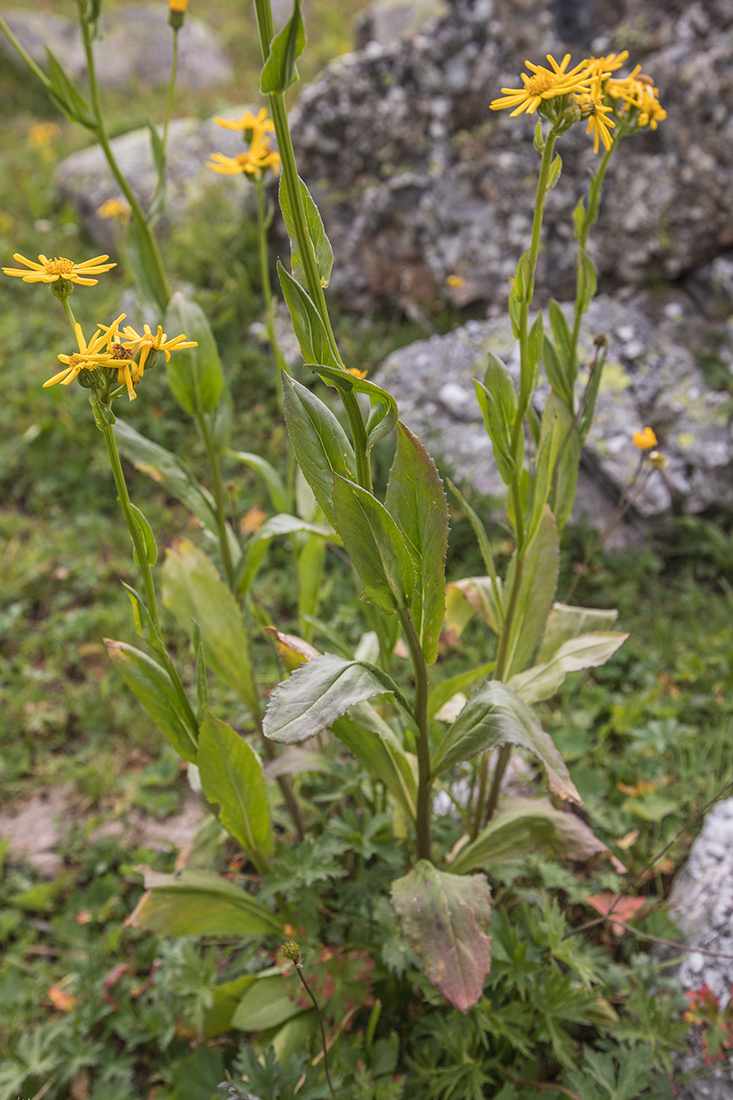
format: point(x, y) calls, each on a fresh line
point(200, 903)
point(232, 777)
point(154, 688)
point(307, 322)
point(536, 593)
point(192, 589)
point(194, 374)
point(417, 503)
point(318, 693)
point(442, 916)
point(382, 405)
point(471, 594)
point(495, 715)
point(375, 545)
point(524, 825)
point(316, 231)
point(373, 742)
point(292, 650)
point(279, 70)
point(587, 651)
point(565, 622)
point(320, 443)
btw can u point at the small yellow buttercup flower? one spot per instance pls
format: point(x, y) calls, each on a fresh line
point(49, 271)
point(543, 84)
point(115, 208)
point(89, 357)
point(645, 439)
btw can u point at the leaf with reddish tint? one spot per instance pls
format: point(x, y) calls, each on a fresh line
point(442, 916)
point(624, 909)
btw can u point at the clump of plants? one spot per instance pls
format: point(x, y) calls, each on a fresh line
point(380, 932)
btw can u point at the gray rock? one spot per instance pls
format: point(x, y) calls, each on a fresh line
point(650, 378)
point(135, 46)
point(85, 179)
point(386, 21)
point(419, 180)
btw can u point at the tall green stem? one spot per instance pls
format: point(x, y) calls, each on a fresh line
point(269, 298)
point(218, 489)
point(420, 714)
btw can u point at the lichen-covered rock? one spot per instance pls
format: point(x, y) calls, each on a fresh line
point(386, 21)
point(419, 180)
point(135, 46)
point(650, 378)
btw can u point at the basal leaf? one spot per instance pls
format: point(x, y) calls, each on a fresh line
point(267, 1002)
point(200, 903)
point(232, 777)
point(442, 916)
point(417, 503)
point(565, 622)
point(587, 651)
point(496, 715)
point(194, 374)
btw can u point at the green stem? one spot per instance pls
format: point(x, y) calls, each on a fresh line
point(171, 92)
point(24, 54)
point(299, 968)
point(219, 498)
point(69, 312)
point(420, 713)
point(137, 210)
point(269, 298)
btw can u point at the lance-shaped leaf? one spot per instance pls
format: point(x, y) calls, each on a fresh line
point(194, 374)
point(497, 400)
point(154, 688)
point(375, 545)
point(418, 505)
point(318, 693)
point(320, 443)
point(279, 71)
point(269, 1001)
point(565, 480)
point(442, 916)
point(374, 743)
point(316, 231)
point(525, 825)
point(537, 591)
point(67, 96)
point(307, 322)
point(231, 775)
point(565, 622)
point(192, 589)
point(259, 544)
point(473, 594)
point(382, 405)
point(146, 271)
point(496, 715)
point(587, 651)
point(200, 903)
point(277, 492)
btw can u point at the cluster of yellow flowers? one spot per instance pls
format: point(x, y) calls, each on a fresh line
point(258, 157)
point(592, 89)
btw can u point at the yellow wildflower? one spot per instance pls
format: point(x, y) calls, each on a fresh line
point(146, 343)
point(259, 124)
point(115, 208)
point(258, 157)
point(43, 134)
point(604, 66)
point(455, 282)
point(543, 84)
point(177, 5)
point(644, 440)
point(595, 110)
point(89, 357)
point(638, 91)
point(48, 271)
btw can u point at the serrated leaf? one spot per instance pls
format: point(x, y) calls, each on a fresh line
point(494, 716)
point(200, 903)
point(318, 693)
point(416, 501)
point(320, 443)
point(154, 688)
point(375, 545)
point(537, 591)
point(442, 916)
point(194, 374)
point(382, 405)
point(279, 71)
point(308, 325)
point(316, 231)
point(587, 651)
point(192, 589)
point(523, 825)
point(232, 777)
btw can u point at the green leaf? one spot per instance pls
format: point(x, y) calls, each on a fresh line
point(557, 373)
point(536, 593)
point(308, 325)
point(560, 331)
point(442, 916)
point(200, 903)
point(565, 480)
point(198, 1076)
point(277, 492)
point(279, 71)
point(479, 593)
point(309, 569)
point(151, 550)
point(592, 393)
point(231, 775)
point(375, 545)
point(496, 715)
point(318, 693)
point(266, 1003)
point(373, 742)
point(441, 692)
point(554, 173)
point(579, 218)
point(145, 270)
point(484, 546)
point(535, 341)
point(67, 97)
point(497, 400)
point(220, 421)
point(192, 589)
point(585, 651)
point(259, 544)
point(154, 688)
point(541, 482)
point(586, 281)
point(382, 405)
point(316, 231)
point(320, 443)
point(156, 148)
point(524, 825)
point(565, 622)
point(194, 374)
point(416, 501)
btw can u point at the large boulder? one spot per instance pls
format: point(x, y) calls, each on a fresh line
point(418, 179)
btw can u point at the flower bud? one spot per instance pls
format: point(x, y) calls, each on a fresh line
point(177, 13)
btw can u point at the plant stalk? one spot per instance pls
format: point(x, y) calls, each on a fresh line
point(219, 497)
point(420, 714)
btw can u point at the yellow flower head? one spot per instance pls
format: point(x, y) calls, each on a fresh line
point(115, 208)
point(644, 440)
point(258, 157)
point(595, 110)
point(259, 124)
point(638, 91)
point(177, 5)
point(146, 343)
point(48, 271)
point(89, 357)
point(455, 282)
point(543, 84)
